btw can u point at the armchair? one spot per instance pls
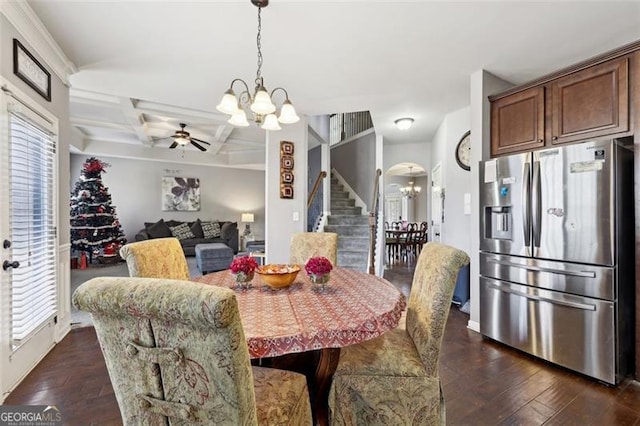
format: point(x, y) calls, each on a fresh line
point(393, 379)
point(158, 258)
point(176, 354)
point(305, 245)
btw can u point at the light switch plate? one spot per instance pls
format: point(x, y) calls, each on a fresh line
point(296, 216)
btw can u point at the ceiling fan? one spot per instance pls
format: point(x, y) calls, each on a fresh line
point(182, 137)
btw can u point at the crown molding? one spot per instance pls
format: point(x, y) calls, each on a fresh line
point(27, 23)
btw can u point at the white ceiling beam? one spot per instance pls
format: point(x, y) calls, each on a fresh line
point(84, 122)
point(93, 98)
point(135, 118)
point(175, 111)
point(222, 135)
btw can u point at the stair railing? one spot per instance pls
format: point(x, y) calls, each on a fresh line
point(373, 222)
point(316, 186)
point(314, 210)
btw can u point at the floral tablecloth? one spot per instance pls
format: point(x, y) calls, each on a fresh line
point(352, 308)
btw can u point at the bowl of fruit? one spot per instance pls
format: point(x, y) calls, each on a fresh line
point(278, 275)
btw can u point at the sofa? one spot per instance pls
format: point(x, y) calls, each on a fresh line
point(191, 234)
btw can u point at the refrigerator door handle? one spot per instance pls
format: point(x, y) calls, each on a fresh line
point(584, 274)
point(583, 306)
point(526, 211)
point(536, 201)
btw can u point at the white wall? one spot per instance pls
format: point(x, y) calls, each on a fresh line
point(483, 84)
point(280, 212)
point(135, 188)
point(455, 230)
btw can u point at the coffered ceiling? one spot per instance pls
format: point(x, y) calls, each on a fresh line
point(144, 67)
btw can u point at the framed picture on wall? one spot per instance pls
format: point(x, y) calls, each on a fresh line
point(180, 194)
point(27, 67)
point(286, 162)
point(286, 191)
point(287, 177)
point(286, 147)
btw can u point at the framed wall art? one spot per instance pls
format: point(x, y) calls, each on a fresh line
point(29, 70)
point(286, 148)
point(286, 169)
point(180, 194)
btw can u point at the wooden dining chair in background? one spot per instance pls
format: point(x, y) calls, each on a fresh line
point(393, 379)
point(176, 353)
point(305, 245)
point(157, 258)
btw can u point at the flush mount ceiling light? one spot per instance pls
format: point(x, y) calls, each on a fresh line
point(410, 190)
point(404, 123)
point(260, 103)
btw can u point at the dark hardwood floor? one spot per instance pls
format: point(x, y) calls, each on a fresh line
point(484, 382)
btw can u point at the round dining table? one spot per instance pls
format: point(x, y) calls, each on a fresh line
point(352, 307)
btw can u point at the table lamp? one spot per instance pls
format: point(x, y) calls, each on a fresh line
point(248, 219)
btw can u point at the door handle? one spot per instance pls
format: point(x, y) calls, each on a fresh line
point(536, 203)
point(584, 274)
point(526, 194)
point(583, 306)
point(6, 264)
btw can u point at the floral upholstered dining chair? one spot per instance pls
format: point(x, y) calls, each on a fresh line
point(305, 245)
point(157, 258)
point(393, 379)
point(176, 354)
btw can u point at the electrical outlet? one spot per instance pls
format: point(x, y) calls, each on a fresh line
point(296, 216)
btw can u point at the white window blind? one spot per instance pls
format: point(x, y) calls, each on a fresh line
point(32, 152)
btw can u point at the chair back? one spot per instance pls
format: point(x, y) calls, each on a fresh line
point(156, 258)
point(173, 350)
point(434, 281)
point(305, 245)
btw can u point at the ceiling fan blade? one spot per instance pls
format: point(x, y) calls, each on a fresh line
point(197, 145)
point(173, 145)
point(201, 141)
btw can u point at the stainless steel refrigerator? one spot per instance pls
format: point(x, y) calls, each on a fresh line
point(557, 255)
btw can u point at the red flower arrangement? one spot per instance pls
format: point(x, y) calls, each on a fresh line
point(244, 264)
point(318, 266)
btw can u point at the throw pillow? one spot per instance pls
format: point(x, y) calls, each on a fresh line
point(182, 231)
point(211, 229)
point(196, 228)
point(229, 229)
point(159, 230)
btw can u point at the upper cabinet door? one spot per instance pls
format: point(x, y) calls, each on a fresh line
point(591, 103)
point(517, 122)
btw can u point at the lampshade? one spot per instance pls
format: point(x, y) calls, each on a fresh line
point(229, 103)
point(288, 113)
point(181, 141)
point(239, 119)
point(404, 123)
point(271, 122)
point(262, 102)
point(247, 217)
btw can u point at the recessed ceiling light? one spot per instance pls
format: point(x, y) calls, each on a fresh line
point(404, 123)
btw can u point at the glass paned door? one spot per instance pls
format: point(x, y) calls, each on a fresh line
point(28, 232)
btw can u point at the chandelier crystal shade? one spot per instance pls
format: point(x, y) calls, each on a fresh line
point(410, 190)
point(261, 102)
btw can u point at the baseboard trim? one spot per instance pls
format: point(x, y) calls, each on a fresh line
point(474, 325)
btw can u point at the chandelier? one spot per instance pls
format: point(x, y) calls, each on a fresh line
point(410, 190)
point(260, 103)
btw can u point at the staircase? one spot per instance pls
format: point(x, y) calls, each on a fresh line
point(351, 226)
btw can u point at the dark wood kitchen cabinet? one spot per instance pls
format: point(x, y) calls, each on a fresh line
point(589, 103)
point(517, 122)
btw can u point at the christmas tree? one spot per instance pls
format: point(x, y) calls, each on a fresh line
point(95, 229)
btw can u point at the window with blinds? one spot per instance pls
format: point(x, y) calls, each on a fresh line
point(32, 227)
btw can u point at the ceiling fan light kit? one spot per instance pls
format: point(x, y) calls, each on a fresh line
point(260, 103)
point(182, 138)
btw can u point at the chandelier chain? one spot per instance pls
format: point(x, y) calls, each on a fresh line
point(259, 44)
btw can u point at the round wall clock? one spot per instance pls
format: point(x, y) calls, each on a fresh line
point(463, 151)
